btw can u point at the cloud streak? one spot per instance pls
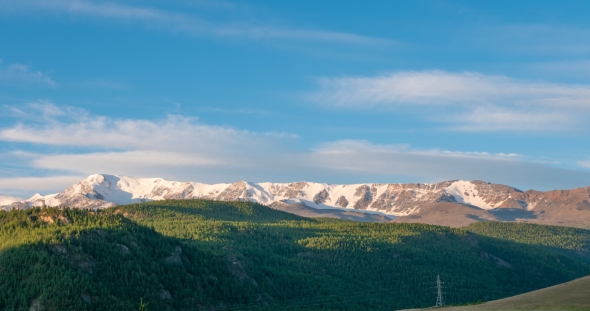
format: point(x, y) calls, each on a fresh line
point(184, 23)
point(366, 159)
point(446, 88)
point(125, 162)
point(25, 186)
point(70, 126)
point(181, 148)
point(22, 75)
point(476, 102)
point(4, 200)
point(128, 146)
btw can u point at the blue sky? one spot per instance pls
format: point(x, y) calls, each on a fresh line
point(325, 91)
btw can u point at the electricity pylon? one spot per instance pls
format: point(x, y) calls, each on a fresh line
point(439, 298)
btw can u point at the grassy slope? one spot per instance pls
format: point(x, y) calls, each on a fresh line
point(244, 256)
point(570, 296)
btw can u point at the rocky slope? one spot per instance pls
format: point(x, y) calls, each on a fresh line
point(449, 203)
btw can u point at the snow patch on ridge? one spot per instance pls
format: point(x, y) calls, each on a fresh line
point(102, 191)
point(466, 192)
point(43, 200)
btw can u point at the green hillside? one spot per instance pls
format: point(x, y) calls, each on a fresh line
point(557, 237)
point(208, 255)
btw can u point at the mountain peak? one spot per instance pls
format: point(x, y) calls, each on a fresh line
point(104, 190)
point(101, 190)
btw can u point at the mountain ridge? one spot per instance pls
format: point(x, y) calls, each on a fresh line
point(411, 202)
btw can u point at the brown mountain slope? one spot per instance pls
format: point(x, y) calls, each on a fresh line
point(559, 207)
point(563, 207)
point(435, 206)
point(448, 214)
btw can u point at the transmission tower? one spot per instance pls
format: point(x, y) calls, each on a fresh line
point(439, 298)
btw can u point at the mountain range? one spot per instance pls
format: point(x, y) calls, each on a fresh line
point(453, 203)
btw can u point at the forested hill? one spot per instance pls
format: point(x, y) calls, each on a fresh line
point(211, 255)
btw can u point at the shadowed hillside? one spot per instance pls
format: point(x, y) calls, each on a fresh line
point(198, 254)
point(570, 296)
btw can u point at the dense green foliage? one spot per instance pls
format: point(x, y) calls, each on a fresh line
point(192, 255)
point(552, 236)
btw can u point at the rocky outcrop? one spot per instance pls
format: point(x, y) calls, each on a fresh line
point(342, 202)
point(235, 192)
point(174, 258)
point(321, 197)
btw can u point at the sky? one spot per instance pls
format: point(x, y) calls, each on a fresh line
point(282, 91)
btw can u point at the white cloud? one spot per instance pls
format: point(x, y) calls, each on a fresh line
point(471, 101)
point(18, 74)
point(44, 185)
point(74, 127)
point(362, 156)
point(175, 146)
point(585, 164)
point(4, 200)
point(354, 146)
point(501, 119)
point(363, 159)
point(183, 22)
point(445, 88)
point(125, 163)
point(180, 148)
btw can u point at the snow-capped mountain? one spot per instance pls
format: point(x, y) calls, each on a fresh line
point(453, 203)
point(101, 191)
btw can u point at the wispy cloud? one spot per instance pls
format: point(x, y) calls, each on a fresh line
point(181, 148)
point(70, 126)
point(42, 112)
point(354, 146)
point(563, 68)
point(362, 158)
point(131, 146)
point(22, 75)
point(473, 101)
point(181, 22)
point(124, 161)
point(447, 88)
point(537, 39)
point(506, 119)
point(25, 186)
